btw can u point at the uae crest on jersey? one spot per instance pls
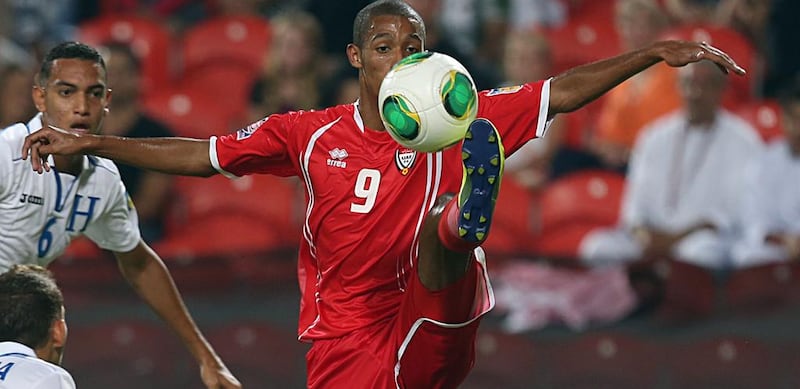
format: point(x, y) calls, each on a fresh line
point(404, 159)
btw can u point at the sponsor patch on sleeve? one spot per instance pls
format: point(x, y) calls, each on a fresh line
point(504, 90)
point(246, 132)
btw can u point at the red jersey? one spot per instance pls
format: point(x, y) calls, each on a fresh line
point(366, 198)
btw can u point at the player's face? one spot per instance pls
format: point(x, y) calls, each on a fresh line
point(701, 85)
point(389, 39)
point(75, 97)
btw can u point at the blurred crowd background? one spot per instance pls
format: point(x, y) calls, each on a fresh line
point(650, 240)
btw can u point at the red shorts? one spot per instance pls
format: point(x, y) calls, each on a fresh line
point(420, 348)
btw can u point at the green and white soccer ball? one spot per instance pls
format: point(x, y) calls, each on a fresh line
point(427, 101)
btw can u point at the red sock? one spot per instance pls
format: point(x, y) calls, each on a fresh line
point(448, 229)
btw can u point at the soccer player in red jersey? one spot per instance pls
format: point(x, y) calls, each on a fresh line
point(392, 276)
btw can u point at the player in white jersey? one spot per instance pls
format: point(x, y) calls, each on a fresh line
point(50, 211)
point(32, 330)
point(41, 214)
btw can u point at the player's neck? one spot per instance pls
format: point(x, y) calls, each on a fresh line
point(70, 164)
point(369, 114)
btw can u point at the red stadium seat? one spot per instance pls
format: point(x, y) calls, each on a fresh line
point(737, 46)
point(728, 362)
point(504, 360)
point(689, 291)
point(587, 36)
point(261, 198)
point(124, 354)
point(84, 267)
point(234, 79)
point(572, 206)
point(603, 360)
point(765, 116)
point(150, 41)
point(789, 351)
point(511, 222)
point(252, 224)
point(244, 39)
point(260, 354)
point(189, 113)
point(761, 288)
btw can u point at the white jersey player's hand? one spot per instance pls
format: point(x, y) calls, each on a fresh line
point(217, 376)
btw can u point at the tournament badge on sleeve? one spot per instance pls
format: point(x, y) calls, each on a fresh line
point(404, 159)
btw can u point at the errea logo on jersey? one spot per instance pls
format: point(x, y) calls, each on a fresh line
point(337, 158)
point(245, 133)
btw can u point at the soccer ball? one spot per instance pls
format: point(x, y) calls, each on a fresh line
point(427, 101)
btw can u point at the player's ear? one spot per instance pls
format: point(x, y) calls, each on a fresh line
point(354, 56)
point(37, 93)
point(108, 99)
point(59, 333)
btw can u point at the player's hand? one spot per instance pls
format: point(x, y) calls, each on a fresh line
point(680, 53)
point(49, 140)
point(216, 376)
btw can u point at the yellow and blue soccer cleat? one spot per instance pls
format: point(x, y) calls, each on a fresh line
point(483, 158)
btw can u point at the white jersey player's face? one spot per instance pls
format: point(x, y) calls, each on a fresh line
point(75, 97)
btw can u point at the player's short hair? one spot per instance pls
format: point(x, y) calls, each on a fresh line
point(379, 8)
point(30, 302)
point(67, 50)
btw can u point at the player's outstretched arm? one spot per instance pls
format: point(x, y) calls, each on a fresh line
point(580, 85)
point(148, 276)
point(183, 156)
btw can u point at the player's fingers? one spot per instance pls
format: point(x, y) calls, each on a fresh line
point(36, 162)
point(722, 59)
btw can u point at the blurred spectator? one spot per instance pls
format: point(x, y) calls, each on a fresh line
point(748, 17)
point(336, 19)
point(770, 218)
point(475, 28)
point(16, 104)
point(11, 52)
point(342, 88)
point(528, 56)
point(642, 98)
point(691, 11)
point(149, 190)
point(484, 73)
point(684, 185)
point(293, 77)
point(536, 13)
point(40, 24)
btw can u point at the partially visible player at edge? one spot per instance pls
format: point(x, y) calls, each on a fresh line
point(83, 195)
point(393, 280)
point(33, 330)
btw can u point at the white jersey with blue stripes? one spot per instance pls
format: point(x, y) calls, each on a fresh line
point(41, 213)
point(21, 369)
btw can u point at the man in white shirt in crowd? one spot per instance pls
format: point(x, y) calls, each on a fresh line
point(32, 330)
point(770, 217)
point(84, 195)
point(685, 186)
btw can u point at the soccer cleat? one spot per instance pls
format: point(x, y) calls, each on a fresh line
point(483, 158)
